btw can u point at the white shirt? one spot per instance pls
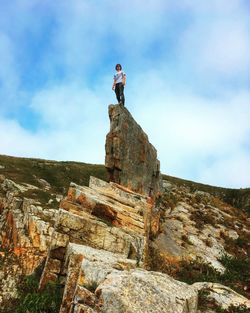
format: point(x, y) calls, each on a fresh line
point(119, 76)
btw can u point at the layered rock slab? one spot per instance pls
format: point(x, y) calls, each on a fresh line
point(25, 235)
point(101, 281)
point(131, 160)
point(25, 229)
point(102, 216)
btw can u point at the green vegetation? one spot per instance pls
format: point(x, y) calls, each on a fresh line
point(91, 286)
point(236, 275)
point(242, 242)
point(168, 200)
point(202, 217)
point(239, 247)
point(58, 174)
point(239, 198)
point(204, 302)
point(191, 272)
point(31, 300)
point(233, 309)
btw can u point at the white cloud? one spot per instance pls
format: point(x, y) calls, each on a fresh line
point(75, 119)
point(86, 33)
point(216, 42)
point(232, 171)
point(61, 105)
point(9, 78)
point(193, 133)
point(73, 124)
point(17, 141)
point(213, 6)
point(220, 48)
point(75, 144)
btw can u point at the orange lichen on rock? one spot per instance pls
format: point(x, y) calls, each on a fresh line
point(34, 235)
point(71, 194)
point(12, 233)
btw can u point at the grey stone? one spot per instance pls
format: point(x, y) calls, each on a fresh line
point(131, 160)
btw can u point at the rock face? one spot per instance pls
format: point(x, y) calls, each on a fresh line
point(104, 240)
point(197, 226)
point(25, 235)
point(102, 216)
point(222, 295)
point(141, 291)
point(101, 281)
point(131, 160)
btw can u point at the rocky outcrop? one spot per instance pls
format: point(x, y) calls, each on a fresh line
point(131, 160)
point(221, 295)
point(85, 269)
point(101, 281)
point(197, 226)
point(97, 243)
point(102, 216)
point(26, 229)
point(139, 291)
point(25, 235)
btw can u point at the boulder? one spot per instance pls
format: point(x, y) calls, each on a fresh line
point(85, 269)
point(103, 216)
point(101, 281)
point(131, 160)
point(222, 296)
point(140, 291)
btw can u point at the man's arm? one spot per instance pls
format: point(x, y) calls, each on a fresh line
point(113, 86)
point(124, 79)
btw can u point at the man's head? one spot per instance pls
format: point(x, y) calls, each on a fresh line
point(118, 67)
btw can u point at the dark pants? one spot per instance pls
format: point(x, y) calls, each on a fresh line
point(119, 88)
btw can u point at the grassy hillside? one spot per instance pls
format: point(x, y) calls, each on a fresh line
point(239, 198)
point(60, 174)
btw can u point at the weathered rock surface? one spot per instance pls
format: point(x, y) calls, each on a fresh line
point(131, 160)
point(97, 243)
point(85, 269)
point(25, 235)
point(101, 281)
point(103, 216)
point(199, 227)
point(222, 296)
point(26, 229)
point(141, 291)
point(10, 272)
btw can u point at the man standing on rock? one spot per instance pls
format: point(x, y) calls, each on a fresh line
point(119, 83)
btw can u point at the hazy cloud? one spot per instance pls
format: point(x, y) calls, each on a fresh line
point(219, 47)
point(187, 64)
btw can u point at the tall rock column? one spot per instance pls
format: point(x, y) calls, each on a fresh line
point(131, 160)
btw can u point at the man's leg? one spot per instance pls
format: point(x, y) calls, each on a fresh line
point(117, 92)
point(122, 98)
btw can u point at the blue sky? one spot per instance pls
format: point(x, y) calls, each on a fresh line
point(188, 84)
